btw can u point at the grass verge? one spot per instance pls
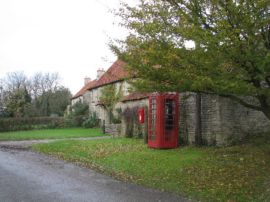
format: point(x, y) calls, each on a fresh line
point(239, 173)
point(50, 134)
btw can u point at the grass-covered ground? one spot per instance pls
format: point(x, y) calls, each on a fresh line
point(50, 134)
point(238, 173)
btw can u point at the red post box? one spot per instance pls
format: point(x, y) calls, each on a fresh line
point(163, 120)
point(141, 115)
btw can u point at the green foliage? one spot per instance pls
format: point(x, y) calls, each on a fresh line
point(91, 122)
point(239, 173)
point(4, 113)
point(78, 113)
point(230, 56)
point(58, 101)
point(74, 121)
point(51, 102)
point(17, 102)
point(110, 96)
point(79, 109)
point(40, 95)
point(23, 123)
point(116, 119)
point(51, 134)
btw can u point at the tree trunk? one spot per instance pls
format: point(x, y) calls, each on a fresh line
point(265, 105)
point(266, 112)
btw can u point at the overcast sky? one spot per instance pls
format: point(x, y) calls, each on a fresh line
point(65, 36)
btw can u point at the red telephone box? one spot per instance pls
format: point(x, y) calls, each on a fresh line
point(163, 120)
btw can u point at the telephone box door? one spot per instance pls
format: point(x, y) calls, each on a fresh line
point(152, 132)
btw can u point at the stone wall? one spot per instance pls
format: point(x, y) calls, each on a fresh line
point(113, 129)
point(238, 121)
point(211, 121)
point(137, 129)
point(187, 118)
point(223, 121)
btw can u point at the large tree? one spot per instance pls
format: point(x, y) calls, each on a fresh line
point(39, 95)
point(16, 97)
point(17, 101)
point(210, 46)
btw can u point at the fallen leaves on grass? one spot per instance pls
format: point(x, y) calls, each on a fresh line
point(235, 174)
point(239, 173)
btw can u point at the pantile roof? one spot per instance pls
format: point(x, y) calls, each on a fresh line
point(115, 73)
point(88, 86)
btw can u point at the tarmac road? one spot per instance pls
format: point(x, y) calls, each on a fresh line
point(26, 176)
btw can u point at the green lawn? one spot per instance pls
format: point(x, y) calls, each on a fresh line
point(50, 134)
point(239, 173)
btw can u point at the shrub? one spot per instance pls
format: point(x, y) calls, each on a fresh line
point(79, 109)
point(14, 124)
point(91, 122)
point(4, 113)
point(74, 121)
point(78, 113)
point(114, 119)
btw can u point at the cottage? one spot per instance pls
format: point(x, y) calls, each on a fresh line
point(82, 94)
point(91, 93)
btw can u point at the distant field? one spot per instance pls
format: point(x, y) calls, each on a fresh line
point(50, 134)
point(231, 174)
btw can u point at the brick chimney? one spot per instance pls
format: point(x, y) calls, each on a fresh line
point(100, 72)
point(87, 80)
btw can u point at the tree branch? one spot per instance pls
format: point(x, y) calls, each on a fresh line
point(242, 102)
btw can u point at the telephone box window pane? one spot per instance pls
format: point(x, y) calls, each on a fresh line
point(153, 119)
point(169, 111)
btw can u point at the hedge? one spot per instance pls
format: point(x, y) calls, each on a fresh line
point(15, 124)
